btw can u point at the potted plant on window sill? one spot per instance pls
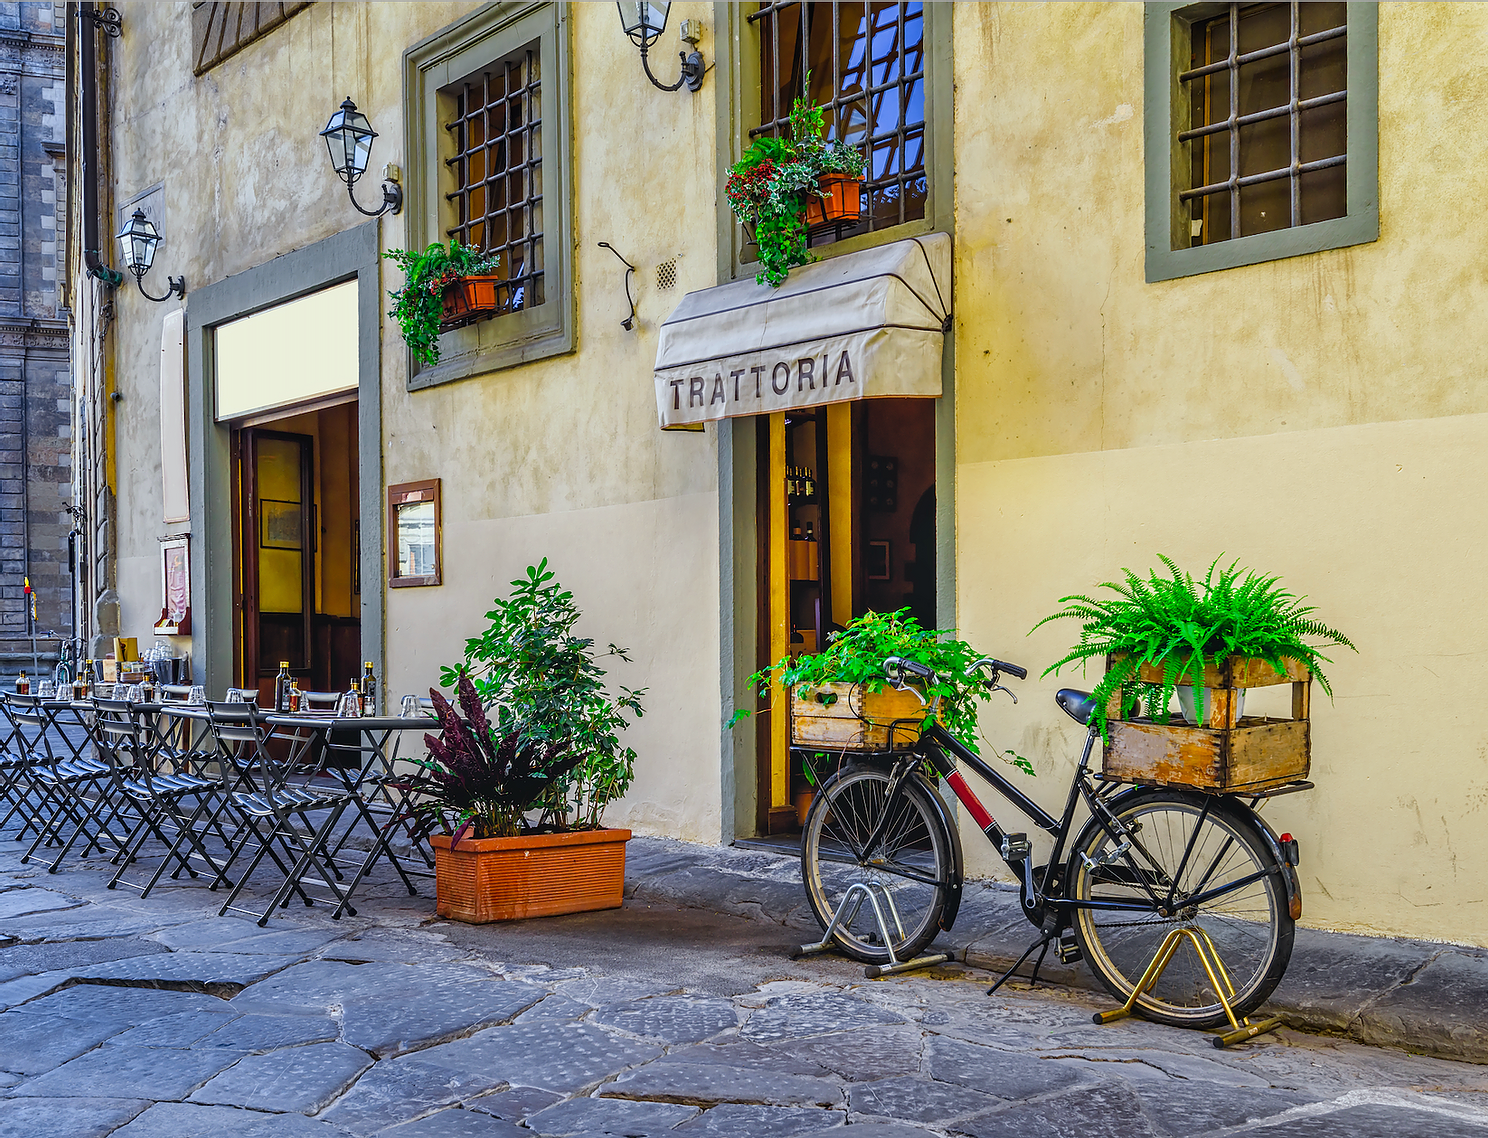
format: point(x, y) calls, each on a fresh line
point(534, 785)
point(444, 287)
point(783, 188)
point(840, 700)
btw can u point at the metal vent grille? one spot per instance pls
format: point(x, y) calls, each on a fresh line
point(666, 275)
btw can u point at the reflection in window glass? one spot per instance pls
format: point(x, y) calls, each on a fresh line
point(416, 539)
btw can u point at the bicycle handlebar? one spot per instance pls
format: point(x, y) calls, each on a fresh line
point(896, 667)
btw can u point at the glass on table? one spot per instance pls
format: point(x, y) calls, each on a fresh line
point(197, 696)
point(410, 707)
point(349, 706)
point(46, 690)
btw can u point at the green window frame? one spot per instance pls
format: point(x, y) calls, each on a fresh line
point(1166, 53)
point(434, 71)
point(738, 111)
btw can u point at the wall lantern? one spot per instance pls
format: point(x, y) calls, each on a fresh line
point(643, 23)
point(139, 240)
point(349, 138)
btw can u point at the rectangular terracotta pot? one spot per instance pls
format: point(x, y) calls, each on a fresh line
point(536, 875)
point(469, 298)
point(843, 203)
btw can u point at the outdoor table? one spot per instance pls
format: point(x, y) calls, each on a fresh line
point(373, 781)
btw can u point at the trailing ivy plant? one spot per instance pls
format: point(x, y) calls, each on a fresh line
point(856, 655)
point(418, 306)
point(547, 684)
point(1180, 625)
point(768, 187)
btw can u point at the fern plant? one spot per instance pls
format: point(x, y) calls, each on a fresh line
point(1180, 625)
point(418, 306)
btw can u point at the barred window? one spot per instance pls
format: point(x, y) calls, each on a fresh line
point(497, 204)
point(1267, 87)
point(867, 69)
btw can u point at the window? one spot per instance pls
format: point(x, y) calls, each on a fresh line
point(1266, 115)
point(497, 201)
point(221, 30)
point(867, 68)
point(882, 71)
point(487, 144)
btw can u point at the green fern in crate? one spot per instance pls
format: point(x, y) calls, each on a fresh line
point(1179, 625)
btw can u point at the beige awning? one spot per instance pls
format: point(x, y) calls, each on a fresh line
point(859, 326)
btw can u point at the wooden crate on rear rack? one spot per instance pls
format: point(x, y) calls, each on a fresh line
point(1227, 754)
point(848, 717)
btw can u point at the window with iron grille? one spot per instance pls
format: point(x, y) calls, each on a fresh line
point(487, 113)
point(866, 64)
point(1261, 130)
point(497, 202)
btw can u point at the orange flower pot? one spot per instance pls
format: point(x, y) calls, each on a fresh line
point(469, 299)
point(843, 203)
point(535, 875)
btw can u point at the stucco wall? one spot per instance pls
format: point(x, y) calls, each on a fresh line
point(1320, 417)
point(561, 458)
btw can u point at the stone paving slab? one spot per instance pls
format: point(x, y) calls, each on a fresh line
point(670, 1081)
point(1178, 1108)
point(677, 1019)
point(792, 1017)
point(1371, 1119)
point(29, 959)
point(618, 1116)
point(217, 935)
point(557, 1057)
point(392, 1093)
point(735, 1121)
point(305, 1079)
point(31, 1045)
point(515, 1104)
point(188, 1120)
point(179, 1030)
point(26, 901)
point(1007, 1076)
point(457, 1124)
point(1440, 1010)
point(114, 1004)
point(253, 1032)
point(143, 1072)
point(557, 1006)
point(1108, 1111)
point(438, 1013)
point(15, 992)
point(66, 1118)
point(219, 973)
point(918, 1099)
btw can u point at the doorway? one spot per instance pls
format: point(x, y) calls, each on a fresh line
point(846, 499)
point(296, 549)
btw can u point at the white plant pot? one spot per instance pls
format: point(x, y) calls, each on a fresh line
point(1186, 702)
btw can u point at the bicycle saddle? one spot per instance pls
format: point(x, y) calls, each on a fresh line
point(1076, 704)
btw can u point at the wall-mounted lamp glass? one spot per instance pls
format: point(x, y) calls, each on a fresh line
point(643, 23)
point(349, 138)
point(139, 240)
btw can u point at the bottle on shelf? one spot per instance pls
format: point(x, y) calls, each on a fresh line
point(796, 532)
point(808, 486)
point(369, 689)
point(281, 687)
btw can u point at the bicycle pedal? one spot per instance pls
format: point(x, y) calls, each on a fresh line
point(1016, 847)
point(1069, 949)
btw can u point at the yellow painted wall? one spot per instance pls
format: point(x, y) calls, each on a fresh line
point(1322, 417)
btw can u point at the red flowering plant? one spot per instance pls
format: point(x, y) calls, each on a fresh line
point(768, 187)
point(418, 306)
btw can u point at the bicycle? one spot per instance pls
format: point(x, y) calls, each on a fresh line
point(1145, 862)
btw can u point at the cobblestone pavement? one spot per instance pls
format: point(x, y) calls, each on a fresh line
point(156, 1019)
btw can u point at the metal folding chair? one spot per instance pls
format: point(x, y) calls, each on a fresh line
point(138, 754)
point(277, 795)
point(19, 794)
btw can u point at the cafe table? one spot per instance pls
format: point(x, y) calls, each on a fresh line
point(380, 795)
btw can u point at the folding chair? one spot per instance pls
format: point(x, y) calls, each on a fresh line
point(280, 794)
point(136, 752)
point(18, 791)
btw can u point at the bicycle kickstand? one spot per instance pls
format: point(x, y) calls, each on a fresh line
point(1042, 944)
point(847, 910)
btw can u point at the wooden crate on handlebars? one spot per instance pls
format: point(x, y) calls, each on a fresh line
point(1227, 754)
point(848, 717)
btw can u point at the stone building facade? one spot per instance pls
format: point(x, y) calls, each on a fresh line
point(35, 385)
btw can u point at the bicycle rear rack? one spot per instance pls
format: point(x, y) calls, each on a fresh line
point(847, 912)
point(1241, 1029)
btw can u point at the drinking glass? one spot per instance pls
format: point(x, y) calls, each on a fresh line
point(349, 706)
point(197, 696)
point(410, 707)
point(47, 690)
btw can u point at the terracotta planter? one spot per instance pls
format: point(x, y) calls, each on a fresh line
point(537, 875)
point(842, 205)
point(469, 299)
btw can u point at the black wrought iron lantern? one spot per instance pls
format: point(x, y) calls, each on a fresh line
point(643, 23)
point(138, 241)
point(349, 137)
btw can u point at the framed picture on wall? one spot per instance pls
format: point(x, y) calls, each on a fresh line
point(415, 534)
point(281, 524)
point(175, 588)
point(879, 564)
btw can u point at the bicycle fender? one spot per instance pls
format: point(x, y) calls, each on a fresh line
point(953, 901)
point(1288, 870)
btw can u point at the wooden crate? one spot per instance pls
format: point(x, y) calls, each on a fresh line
point(1228, 753)
point(858, 720)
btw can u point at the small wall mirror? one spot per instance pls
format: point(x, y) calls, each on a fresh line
point(414, 534)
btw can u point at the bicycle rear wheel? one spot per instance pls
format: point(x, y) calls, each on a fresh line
point(1249, 924)
point(913, 863)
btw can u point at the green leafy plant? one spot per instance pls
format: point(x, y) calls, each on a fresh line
point(1179, 625)
point(856, 655)
point(547, 685)
point(418, 306)
point(768, 187)
point(487, 781)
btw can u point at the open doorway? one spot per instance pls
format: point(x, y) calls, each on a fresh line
point(846, 499)
point(296, 549)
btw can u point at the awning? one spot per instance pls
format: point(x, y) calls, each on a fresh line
point(859, 326)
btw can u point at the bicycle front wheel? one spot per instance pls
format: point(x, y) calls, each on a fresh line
point(907, 876)
point(1217, 854)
